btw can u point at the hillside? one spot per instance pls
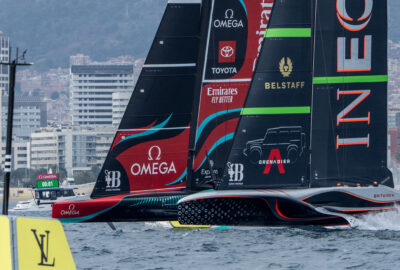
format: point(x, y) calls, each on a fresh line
point(394, 20)
point(53, 30)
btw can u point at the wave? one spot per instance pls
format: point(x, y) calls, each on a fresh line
point(388, 220)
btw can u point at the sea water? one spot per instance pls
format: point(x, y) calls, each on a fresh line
point(373, 243)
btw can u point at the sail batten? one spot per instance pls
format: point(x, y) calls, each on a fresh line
point(351, 79)
point(288, 32)
point(276, 110)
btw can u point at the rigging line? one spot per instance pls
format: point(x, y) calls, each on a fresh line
point(144, 129)
point(312, 86)
point(170, 65)
point(227, 80)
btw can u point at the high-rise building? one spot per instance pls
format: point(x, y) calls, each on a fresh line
point(4, 57)
point(119, 102)
point(73, 148)
point(30, 114)
point(79, 59)
point(91, 89)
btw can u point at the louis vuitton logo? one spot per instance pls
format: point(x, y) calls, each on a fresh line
point(43, 244)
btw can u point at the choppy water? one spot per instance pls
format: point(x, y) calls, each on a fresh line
point(373, 244)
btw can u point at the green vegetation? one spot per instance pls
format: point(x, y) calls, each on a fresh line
point(87, 176)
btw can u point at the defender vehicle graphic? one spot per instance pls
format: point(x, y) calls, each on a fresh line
point(291, 141)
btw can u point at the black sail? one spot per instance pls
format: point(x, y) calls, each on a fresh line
point(349, 117)
point(150, 149)
point(271, 143)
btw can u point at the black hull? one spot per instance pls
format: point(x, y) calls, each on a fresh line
point(321, 207)
point(254, 212)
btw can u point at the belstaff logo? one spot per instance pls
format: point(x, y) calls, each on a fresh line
point(43, 244)
point(286, 67)
point(227, 52)
point(113, 179)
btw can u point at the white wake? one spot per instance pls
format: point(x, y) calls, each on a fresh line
point(389, 220)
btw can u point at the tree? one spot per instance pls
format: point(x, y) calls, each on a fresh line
point(83, 177)
point(95, 170)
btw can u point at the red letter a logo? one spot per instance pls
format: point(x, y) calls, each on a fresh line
point(274, 158)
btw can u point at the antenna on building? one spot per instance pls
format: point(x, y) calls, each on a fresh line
point(7, 164)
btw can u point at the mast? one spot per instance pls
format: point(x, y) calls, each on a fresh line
point(204, 36)
point(314, 4)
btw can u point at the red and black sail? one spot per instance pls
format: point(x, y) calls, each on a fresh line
point(150, 149)
point(234, 38)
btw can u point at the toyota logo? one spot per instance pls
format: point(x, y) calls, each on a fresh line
point(227, 51)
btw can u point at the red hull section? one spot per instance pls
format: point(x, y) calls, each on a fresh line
point(83, 209)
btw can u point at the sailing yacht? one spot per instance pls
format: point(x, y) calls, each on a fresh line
point(182, 114)
point(311, 144)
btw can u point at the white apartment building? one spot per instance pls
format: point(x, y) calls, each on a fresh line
point(20, 154)
point(119, 102)
point(30, 114)
point(73, 148)
point(4, 57)
point(79, 59)
point(91, 89)
point(44, 149)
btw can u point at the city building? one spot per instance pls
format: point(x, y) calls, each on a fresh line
point(30, 114)
point(73, 148)
point(79, 59)
point(19, 152)
point(91, 89)
point(4, 57)
point(119, 102)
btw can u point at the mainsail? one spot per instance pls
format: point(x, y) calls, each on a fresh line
point(349, 119)
point(271, 144)
point(149, 152)
point(234, 39)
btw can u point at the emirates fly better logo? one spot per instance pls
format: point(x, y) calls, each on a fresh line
point(227, 52)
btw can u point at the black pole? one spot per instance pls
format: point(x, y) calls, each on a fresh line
point(7, 164)
point(10, 116)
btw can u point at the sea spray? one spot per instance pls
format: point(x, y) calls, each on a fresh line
point(388, 220)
